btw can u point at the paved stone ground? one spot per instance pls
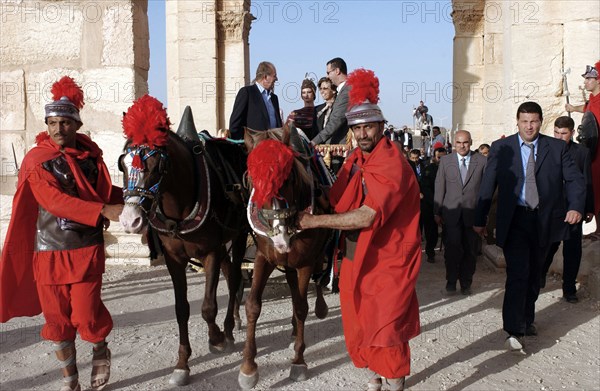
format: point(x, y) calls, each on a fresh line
point(460, 347)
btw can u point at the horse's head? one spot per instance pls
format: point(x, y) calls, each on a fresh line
point(281, 186)
point(143, 169)
point(144, 162)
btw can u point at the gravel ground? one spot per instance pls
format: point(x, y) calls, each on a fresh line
point(460, 347)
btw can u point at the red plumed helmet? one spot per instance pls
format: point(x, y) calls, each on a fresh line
point(67, 100)
point(363, 97)
point(365, 87)
point(146, 122)
point(66, 86)
point(269, 165)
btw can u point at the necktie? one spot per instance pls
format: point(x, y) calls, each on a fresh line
point(270, 109)
point(463, 170)
point(531, 194)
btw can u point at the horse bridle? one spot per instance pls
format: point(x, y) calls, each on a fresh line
point(258, 216)
point(131, 187)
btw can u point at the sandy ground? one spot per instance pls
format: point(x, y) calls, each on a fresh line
point(460, 347)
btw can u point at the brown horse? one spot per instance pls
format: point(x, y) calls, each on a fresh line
point(280, 244)
point(178, 189)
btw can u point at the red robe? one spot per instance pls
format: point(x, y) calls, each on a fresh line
point(594, 106)
point(36, 186)
point(380, 312)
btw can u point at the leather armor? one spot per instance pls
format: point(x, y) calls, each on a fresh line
point(59, 233)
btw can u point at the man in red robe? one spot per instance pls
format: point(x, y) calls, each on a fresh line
point(53, 256)
point(376, 196)
point(592, 84)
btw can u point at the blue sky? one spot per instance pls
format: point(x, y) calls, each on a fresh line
point(408, 44)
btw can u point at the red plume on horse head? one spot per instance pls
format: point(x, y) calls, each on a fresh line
point(67, 87)
point(146, 122)
point(269, 164)
point(365, 87)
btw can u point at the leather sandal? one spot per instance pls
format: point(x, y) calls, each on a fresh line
point(395, 384)
point(67, 380)
point(99, 381)
point(374, 384)
point(71, 382)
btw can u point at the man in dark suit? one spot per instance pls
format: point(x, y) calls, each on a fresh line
point(539, 195)
point(404, 137)
point(337, 126)
point(564, 127)
point(427, 185)
point(256, 106)
point(456, 189)
point(418, 166)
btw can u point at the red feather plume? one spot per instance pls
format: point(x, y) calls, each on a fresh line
point(146, 122)
point(66, 86)
point(269, 165)
point(365, 87)
point(597, 66)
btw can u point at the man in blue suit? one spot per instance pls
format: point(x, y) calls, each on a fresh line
point(256, 106)
point(539, 196)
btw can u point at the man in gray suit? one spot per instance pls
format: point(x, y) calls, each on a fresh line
point(456, 189)
point(337, 126)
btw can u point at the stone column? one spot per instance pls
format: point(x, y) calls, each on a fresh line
point(468, 64)
point(192, 61)
point(233, 23)
point(207, 58)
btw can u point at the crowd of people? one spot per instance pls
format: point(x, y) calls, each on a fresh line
point(386, 194)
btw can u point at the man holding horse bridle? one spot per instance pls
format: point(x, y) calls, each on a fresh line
point(53, 256)
point(378, 207)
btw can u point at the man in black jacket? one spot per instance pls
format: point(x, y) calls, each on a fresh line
point(256, 106)
point(564, 128)
point(530, 171)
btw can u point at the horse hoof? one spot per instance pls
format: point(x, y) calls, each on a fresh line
point(299, 372)
point(180, 377)
point(247, 382)
point(321, 312)
point(226, 347)
point(229, 346)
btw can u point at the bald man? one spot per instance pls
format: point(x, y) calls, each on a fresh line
point(456, 189)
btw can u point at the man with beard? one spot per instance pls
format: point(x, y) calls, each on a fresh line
point(376, 200)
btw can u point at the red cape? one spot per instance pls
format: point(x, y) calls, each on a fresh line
point(382, 277)
point(18, 292)
point(594, 106)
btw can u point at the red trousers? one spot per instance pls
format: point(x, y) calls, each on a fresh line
point(73, 308)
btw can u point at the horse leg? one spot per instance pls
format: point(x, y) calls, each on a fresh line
point(248, 376)
point(291, 276)
point(233, 273)
point(181, 373)
point(216, 338)
point(321, 308)
point(299, 369)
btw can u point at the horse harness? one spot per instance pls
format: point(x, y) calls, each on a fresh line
point(201, 210)
point(261, 220)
